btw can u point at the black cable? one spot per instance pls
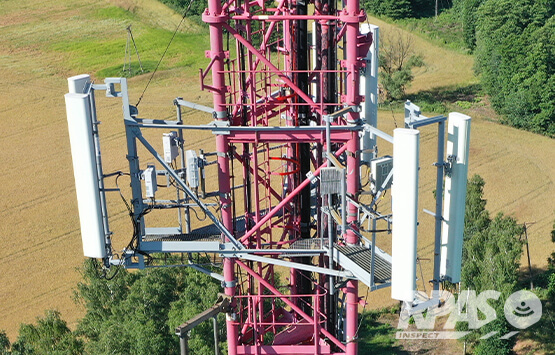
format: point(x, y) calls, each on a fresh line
point(196, 215)
point(160, 61)
point(172, 180)
point(362, 313)
point(367, 173)
point(129, 209)
point(132, 245)
point(109, 278)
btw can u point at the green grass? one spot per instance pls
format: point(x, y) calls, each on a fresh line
point(441, 100)
point(94, 41)
point(104, 56)
point(376, 337)
point(134, 69)
point(114, 12)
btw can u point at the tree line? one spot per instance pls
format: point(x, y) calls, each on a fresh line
point(491, 256)
point(514, 45)
point(398, 9)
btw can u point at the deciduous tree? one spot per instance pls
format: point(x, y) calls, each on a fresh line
point(50, 335)
point(397, 60)
point(137, 312)
point(491, 256)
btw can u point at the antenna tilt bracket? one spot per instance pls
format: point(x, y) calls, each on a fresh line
point(412, 113)
point(111, 87)
point(414, 117)
point(448, 165)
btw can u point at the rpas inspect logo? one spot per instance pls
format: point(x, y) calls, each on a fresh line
point(522, 309)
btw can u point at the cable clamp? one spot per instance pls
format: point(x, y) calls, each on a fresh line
point(313, 179)
point(221, 124)
point(232, 283)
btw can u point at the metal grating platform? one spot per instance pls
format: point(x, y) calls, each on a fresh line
point(207, 239)
point(311, 243)
point(362, 257)
point(189, 237)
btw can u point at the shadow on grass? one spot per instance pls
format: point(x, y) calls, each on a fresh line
point(537, 277)
point(542, 332)
point(437, 99)
point(130, 71)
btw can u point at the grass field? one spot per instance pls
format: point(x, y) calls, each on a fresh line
point(42, 43)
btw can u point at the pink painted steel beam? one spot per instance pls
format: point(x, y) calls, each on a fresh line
point(286, 200)
point(292, 135)
point(273, 68)
point(275, 18)
point(286, 349)
point(351, 16)
point(258, 114)
point(293, 306)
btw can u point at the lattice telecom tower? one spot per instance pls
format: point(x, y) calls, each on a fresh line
point(294, 119)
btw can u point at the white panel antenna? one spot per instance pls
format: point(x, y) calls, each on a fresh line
point(458, 142)
point(192, 169)
point(314, 55)
point(85, 172)
point(78, 84)
point(404, 192)
point(369, 88)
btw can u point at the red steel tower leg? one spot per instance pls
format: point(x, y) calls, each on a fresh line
point(215, 18)
point(351, 318)
point(350, 17)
